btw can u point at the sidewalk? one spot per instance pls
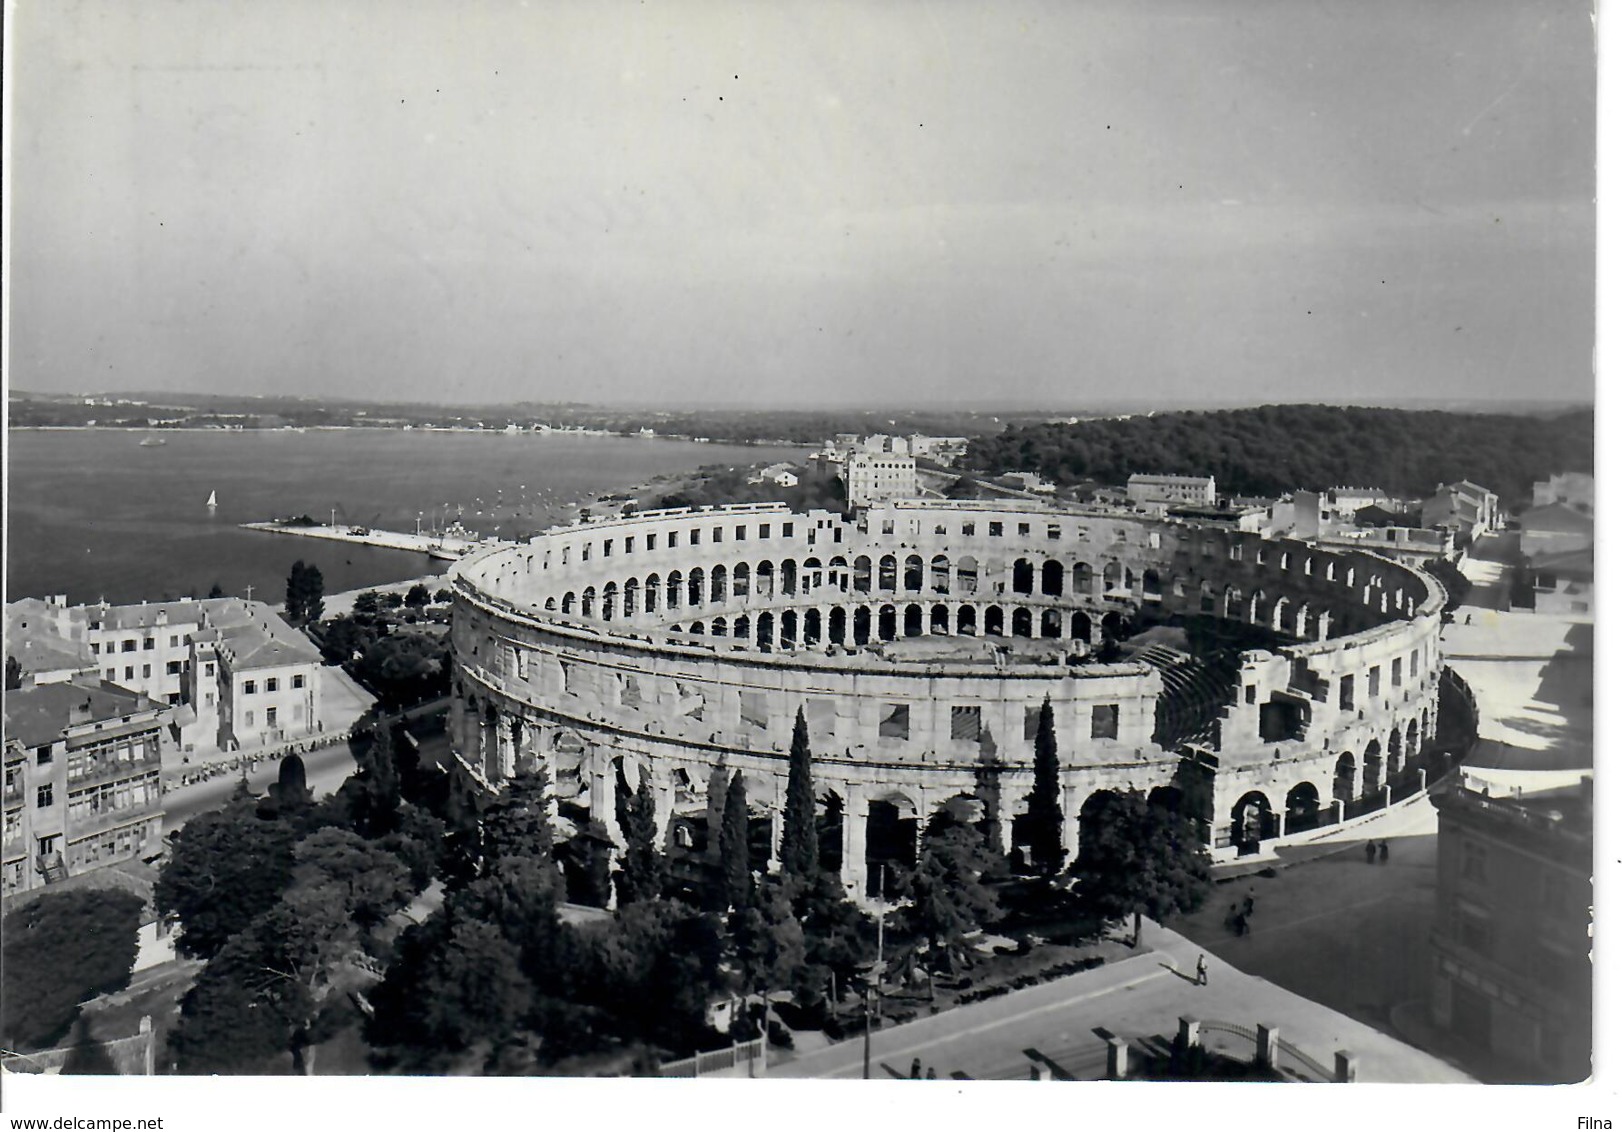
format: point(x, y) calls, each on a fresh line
point(1063, 1024)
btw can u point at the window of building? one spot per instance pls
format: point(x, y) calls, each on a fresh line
point(1374, 683)
point(1472, 861)
point(1106, 721)
point(965, 722)
point(208, 669)
point(129, 645)
point(1023, 530)
point(250, 687)
point(298, 680)
point(148, 644)
point(173, 697)
point(270, 717)
point(993, 528)
point(95, 649)
point(585, 552)
point(653, 542)
point(1472, 927)
point(765, 530)
point(272, 683)
point(174, 640)
point(888, 527)
point(715, 535)
point(894, 723)
point(42, 756)
point(1348, 692)
point(43, 797)
point(129, 672)
point(671, 540)
point(146, 672)
point(693, 537)
point(112, 674)
point(608, 547)
point(1053, 532)
point(172, 668)
point(968, 530)
point(208, 699)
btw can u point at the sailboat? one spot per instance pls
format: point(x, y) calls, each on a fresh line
point(212, 502)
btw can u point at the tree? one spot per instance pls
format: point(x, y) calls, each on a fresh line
point(798, 854)
point(371, 882)
point(457, 980)
point(1046, 809)
point(14, 674)
point(444, 596)
point(963, 487)
point(518, 823)
point(643, 868)
point(373, 791)
point(735, 875)
point(304, 588)
point(839, 937)
point(767, 938)
point(225, 868)
point(61, 949)
point(368, 604)
point(947, 894)
point(1139, 859)
point(417, 597)
point(215, 591)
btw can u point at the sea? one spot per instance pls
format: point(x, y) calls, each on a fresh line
point(93, 514)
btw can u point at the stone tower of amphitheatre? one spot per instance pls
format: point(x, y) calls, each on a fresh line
point(1267, 688)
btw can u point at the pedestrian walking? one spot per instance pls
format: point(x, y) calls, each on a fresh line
point(1199, 972)
point(917, 1068)
point(1250, 903)
point(1369, 851)
point(930, 1076)
point(1385, 851)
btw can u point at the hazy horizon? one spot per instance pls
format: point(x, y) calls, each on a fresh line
point(807, 205)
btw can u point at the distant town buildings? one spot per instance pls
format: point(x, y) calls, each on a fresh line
point(82, 780)
point(1468, 508)
point(1412, 546)
point(782, 474)
point(874, 477)
point(1511, 944)
point(1154, 492)
point(1575, 489)
point(1557, 549)
point(1030, 481)
point(231, 672)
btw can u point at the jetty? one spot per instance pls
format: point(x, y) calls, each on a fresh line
point(444, 547)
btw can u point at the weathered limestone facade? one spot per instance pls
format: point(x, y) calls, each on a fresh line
point(673, 642)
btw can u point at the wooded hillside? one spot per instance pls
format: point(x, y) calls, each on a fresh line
point(1275, 448)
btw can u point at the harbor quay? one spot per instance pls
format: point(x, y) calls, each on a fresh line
point(441, 546)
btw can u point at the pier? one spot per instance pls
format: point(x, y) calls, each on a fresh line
point(439, 546)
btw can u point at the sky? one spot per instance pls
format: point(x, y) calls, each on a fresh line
point(809, 204)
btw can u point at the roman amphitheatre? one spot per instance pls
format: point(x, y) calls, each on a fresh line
point(1267, 688)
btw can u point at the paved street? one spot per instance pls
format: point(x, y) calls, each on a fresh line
point(1138, 999)
point(325, 769)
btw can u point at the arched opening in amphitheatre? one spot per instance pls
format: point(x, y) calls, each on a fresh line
point(650, 594)
point(718, 584)
point(1022, 622)
point(1081, 579)
point(633, 593)
point(813, 627)
point(861, 574)
point(1052, 578)
point(673, 589)
point(1411, 748)
point(610, 600)
point(695, 586)
point(811, 576)
point(968, 576)
point(1393, 755)
point(764, 632)
point(940, 621)
point(740, 580)
point(789, 630)
point(887, 574)
point(1024, 575)
point(1346, 778)
point(1253, 822)
point(740, 627)
point(862, 625)
point(588, 602)
point(1301, 808)
point(892, 843)
point(1151, 583)
point(912, 620)
point(719, 627)
point(764, 577)
point(836, 625)
point(839, 573)
point(1052, 623)
point(886, 622)
point(913, 574)
point(568, 602)
point(965, 621)
point(831, 832)
point(940, 574)
point(1207, 598)
point(1168, 798)
point(994, 621)
point(788, 571)
point(1371, 768)
point(1081, 626)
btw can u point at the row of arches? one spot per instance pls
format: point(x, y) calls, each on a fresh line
point(864, 624)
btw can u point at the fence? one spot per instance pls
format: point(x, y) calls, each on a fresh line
point(741, 1055)
point(1292, 1057)
point(1288, 1058)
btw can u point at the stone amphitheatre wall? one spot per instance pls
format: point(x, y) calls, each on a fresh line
point(670, 643)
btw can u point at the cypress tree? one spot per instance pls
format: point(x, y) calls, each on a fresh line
point(735, 843)
point(798, 852)
point(642, 875)
point(1047, 814)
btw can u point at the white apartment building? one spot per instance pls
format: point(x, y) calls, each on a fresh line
point(1155, 491)
point(872, 477)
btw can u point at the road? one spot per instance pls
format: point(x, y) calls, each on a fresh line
point(324, 768)
point(1140, 999)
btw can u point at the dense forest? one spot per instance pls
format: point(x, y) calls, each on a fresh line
point(1276, 448)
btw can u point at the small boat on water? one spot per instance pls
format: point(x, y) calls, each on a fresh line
point(212, 502)
point(153, 442)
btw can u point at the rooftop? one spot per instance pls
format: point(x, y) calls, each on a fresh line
point(39, 715)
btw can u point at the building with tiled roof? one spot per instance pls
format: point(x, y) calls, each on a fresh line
point(190, 655)
point(82, 790)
